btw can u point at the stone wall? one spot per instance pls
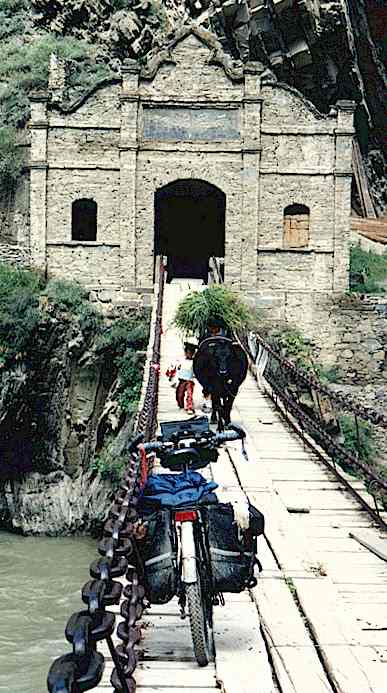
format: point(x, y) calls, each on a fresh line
point(15, 255)
point(15, 212)
point(188, 113)
point(348, 331)
point(359, 328)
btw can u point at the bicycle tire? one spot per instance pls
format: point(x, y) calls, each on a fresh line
point(198, 623)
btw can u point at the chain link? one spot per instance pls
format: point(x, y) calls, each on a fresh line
point(346, 402)
point(82, 669)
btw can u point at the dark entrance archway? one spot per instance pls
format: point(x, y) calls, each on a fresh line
point(190, 220)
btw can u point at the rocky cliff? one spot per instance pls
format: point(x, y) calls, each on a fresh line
point(63, 391)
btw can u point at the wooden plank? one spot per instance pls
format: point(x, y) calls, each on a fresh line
point(279, 615)
point(241, 659)
point(361, 179)
point(159, 689)
point(334, 631)
point(319, 601)
point(295, 668)
point(371, 542)
point(180, 675)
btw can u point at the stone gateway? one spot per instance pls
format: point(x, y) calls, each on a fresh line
point(191, 156)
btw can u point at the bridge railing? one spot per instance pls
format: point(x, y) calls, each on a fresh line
point(338, 426)
point(344, 429)
point(83, 668)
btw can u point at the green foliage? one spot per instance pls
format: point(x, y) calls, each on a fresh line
point(70, 297)
point(24, 67)
point(119, 5)
point(367, 271)
point(132, 331)
point(66, 295)
point(216, 302)
point(362, 445)
point(109, 467)
point(327, 374)
point(131, 370)
point(294, 346)
point(122, 341)
point(19, 311)
point(11, 18)
point(10, 158)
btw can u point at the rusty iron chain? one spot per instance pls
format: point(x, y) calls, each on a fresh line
point(82, 669)
point(346, 402)
point(332, 447)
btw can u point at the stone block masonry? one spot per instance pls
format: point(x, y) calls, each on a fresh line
point(188, 115)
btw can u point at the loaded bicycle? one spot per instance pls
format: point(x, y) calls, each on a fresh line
point(194, 549)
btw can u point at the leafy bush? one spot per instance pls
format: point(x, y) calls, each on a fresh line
point(132, 331)
point(19, 311)
point(217, 302)
point(107, 466)
point(24, 67)
point(66, 295)
point(10, 158)
point(367, 271)
point(130, 369)
point(123, 341)
point(11, 18)
point(362, 447)
point(293, 345)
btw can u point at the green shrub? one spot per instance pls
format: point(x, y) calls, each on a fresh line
point(363, 446)
point(19, 311)
point(216, 302)
point(130, 370)
point(294, 346)
point(327, 374)
point(132, 331)
point(107, 466)
point(122, 342)
point(11, 158)
point(24, 67)
point(367, 271)
point(66, 295)
point(12, 18)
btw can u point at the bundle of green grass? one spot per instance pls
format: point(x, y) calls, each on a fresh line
point(219, 303)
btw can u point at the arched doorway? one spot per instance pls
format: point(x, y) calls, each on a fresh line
point(190, 219)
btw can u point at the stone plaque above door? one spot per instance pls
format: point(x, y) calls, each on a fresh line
point(172, 123)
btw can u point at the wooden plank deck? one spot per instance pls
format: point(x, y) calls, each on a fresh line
point(314, 622)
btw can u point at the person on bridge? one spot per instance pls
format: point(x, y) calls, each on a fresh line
point(185, 375)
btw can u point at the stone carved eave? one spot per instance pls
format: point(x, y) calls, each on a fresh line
point(163, 57)
point(208, 39)
point(270, 82)
point(72, 107)
point(216, 57)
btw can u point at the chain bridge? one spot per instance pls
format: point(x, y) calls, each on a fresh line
point(316, 621)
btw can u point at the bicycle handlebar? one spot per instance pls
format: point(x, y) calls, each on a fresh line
point(233, 433)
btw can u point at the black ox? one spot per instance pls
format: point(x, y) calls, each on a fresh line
point(220, 366)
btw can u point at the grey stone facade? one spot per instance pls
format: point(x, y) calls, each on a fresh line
point(188, 114)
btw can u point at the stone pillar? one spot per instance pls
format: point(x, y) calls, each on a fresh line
point(251, 165)
point(343, 178)
point(38, 180)
point(128, 165)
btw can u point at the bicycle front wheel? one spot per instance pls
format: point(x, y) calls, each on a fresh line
point(197, 617)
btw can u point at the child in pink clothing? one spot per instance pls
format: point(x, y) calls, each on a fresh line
point(185, 375)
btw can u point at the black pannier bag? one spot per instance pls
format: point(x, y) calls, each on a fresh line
point(232, 551)
point(159, 552)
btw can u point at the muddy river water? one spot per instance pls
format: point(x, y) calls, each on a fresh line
point(40, 581)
